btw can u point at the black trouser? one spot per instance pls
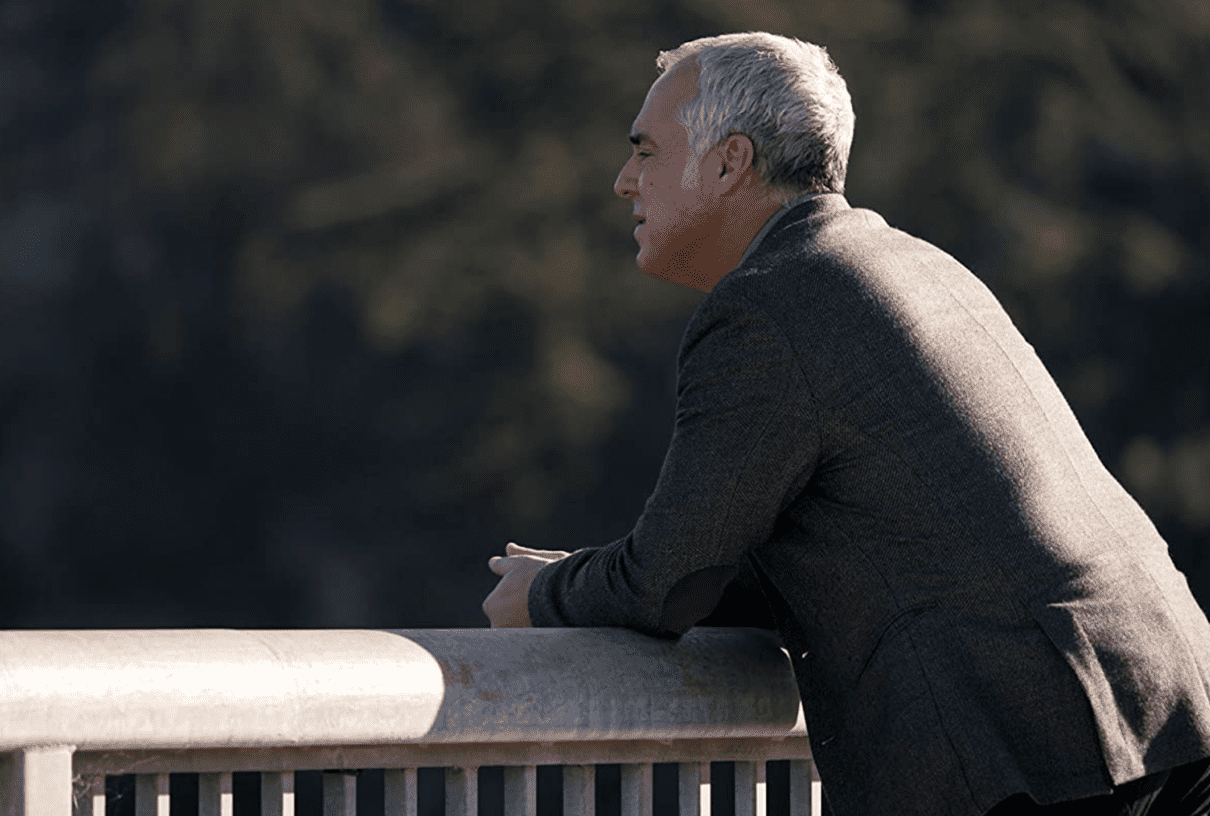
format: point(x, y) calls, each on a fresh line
point(1182, 791)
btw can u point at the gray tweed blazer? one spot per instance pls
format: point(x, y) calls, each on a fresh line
point(973, 606)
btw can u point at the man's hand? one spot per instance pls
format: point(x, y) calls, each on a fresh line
point(508, 604)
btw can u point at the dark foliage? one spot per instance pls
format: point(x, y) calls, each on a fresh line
point(306, 308)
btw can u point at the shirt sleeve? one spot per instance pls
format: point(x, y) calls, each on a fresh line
point(744, 444)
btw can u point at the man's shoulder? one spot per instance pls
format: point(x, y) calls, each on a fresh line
point(808, 251)
point(824, 249)
point(835, 278)
point(827, 231)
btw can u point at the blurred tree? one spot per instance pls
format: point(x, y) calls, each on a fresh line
point(307, 308)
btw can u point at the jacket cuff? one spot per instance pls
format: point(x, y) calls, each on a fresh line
point(544, 608)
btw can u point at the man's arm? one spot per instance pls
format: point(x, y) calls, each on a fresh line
point(743, 603)
point(744, 445)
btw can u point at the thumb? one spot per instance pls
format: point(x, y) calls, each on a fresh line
point(499, 564)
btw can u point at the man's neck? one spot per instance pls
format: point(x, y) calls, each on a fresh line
point(737, 228)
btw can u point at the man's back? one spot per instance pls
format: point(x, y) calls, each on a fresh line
point(963, 568)
point(973, 605)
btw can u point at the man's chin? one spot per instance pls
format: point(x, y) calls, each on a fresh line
point(648, 268)
point(642, 260)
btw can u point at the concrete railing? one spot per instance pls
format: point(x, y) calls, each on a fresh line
point(78, 706)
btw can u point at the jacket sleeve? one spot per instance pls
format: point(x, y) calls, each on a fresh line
point(743, 446)
point(743, 603)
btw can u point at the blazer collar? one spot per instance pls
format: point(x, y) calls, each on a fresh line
point(802, 208)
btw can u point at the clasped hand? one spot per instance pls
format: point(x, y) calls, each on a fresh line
point(508, 603)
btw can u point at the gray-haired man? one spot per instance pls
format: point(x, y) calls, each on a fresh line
point(979, 617)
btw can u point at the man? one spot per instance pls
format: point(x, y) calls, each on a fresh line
point(980, 619)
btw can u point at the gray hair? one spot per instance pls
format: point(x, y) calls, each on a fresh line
point(786, 95)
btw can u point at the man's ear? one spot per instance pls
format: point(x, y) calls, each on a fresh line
point(736, 155)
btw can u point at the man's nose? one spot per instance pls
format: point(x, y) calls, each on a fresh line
point(625, 185)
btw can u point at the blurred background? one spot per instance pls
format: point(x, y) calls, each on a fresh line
point(308, 307)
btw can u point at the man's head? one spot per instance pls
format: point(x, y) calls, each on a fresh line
point(734, 126)
point(784, 94)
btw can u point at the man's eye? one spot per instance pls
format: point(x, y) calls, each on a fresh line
point(642, 154)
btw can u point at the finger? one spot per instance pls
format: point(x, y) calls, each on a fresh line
point(513, 547)
point(533, 552)
point(499, 565)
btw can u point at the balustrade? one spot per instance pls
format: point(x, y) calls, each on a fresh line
point(78, 707)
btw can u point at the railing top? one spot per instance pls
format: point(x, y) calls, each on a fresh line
point(217, 687)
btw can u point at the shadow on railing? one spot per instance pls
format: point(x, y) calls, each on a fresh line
point(405, 722)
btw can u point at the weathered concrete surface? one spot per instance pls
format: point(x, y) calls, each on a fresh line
point(100, 690)
point(602, 684)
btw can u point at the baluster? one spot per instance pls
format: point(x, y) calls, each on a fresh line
point(89, 797)
point(399, 792)
point(636, 789)
point(694, 793)
point(750, 789)
point(521, 790)
point(151, 795)
point(340, 793)
point(40, 779)
point(579, 790)
point(215, 794)
point(277, 793)
point(462, 791)
point(806, 792)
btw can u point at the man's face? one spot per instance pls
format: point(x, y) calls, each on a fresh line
point(663, 182)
